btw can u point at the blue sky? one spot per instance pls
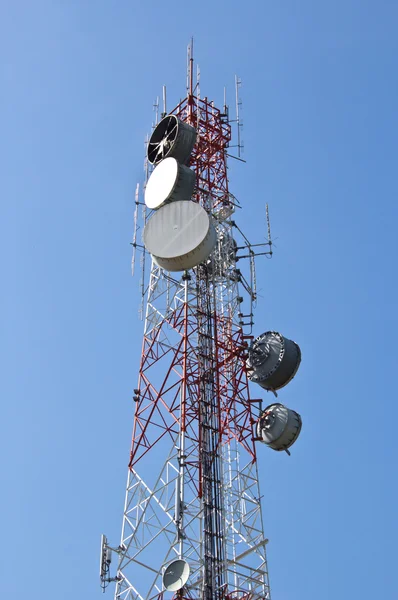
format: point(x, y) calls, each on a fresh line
point(78, 80)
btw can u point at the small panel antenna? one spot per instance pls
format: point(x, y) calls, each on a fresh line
point(105, 562)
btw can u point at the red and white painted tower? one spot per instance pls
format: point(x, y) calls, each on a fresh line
point(192, 523)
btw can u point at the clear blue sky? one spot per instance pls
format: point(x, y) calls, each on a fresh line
point(78, 79)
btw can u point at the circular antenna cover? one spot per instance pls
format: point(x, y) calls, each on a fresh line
point(179, 235)
point(171, 137)
point(176, 575)
point(279, 426)
point(273, 360)
point(169, 181)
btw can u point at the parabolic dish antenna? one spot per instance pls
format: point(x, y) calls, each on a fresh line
point(273, 360)
point(179, 235)
point(171, 137)
point(279, 426)
point(176, 575)
point(169, 181)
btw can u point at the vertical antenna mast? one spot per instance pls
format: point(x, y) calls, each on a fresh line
point(238, 83)
point(190, 81)
point(164, 113)
point(188, 66)
point(156, 110)
point(225, 103)
point(144, 216)
point(142, 280)
point(198, 103)
point(136, 202)
point(268, 229)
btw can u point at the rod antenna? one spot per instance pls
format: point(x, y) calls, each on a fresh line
point(164, 113)
point(190, 80)
point(137, 193)
point(238, 84)
point(268, 229)
point(156, 110)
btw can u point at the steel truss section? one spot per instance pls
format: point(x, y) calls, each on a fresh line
point(192, 488)
point(149, 541)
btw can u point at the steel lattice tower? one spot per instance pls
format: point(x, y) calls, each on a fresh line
point(192, 487)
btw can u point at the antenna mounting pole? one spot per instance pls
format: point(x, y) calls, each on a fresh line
point(190, 81)
point(238, 83)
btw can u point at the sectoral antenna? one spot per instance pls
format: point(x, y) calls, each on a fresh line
point(105, 562)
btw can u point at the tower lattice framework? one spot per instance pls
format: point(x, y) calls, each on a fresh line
point(192, 486)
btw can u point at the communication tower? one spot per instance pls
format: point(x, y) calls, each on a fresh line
point(192, 523)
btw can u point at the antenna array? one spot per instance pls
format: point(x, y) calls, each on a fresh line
point(192, 524)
